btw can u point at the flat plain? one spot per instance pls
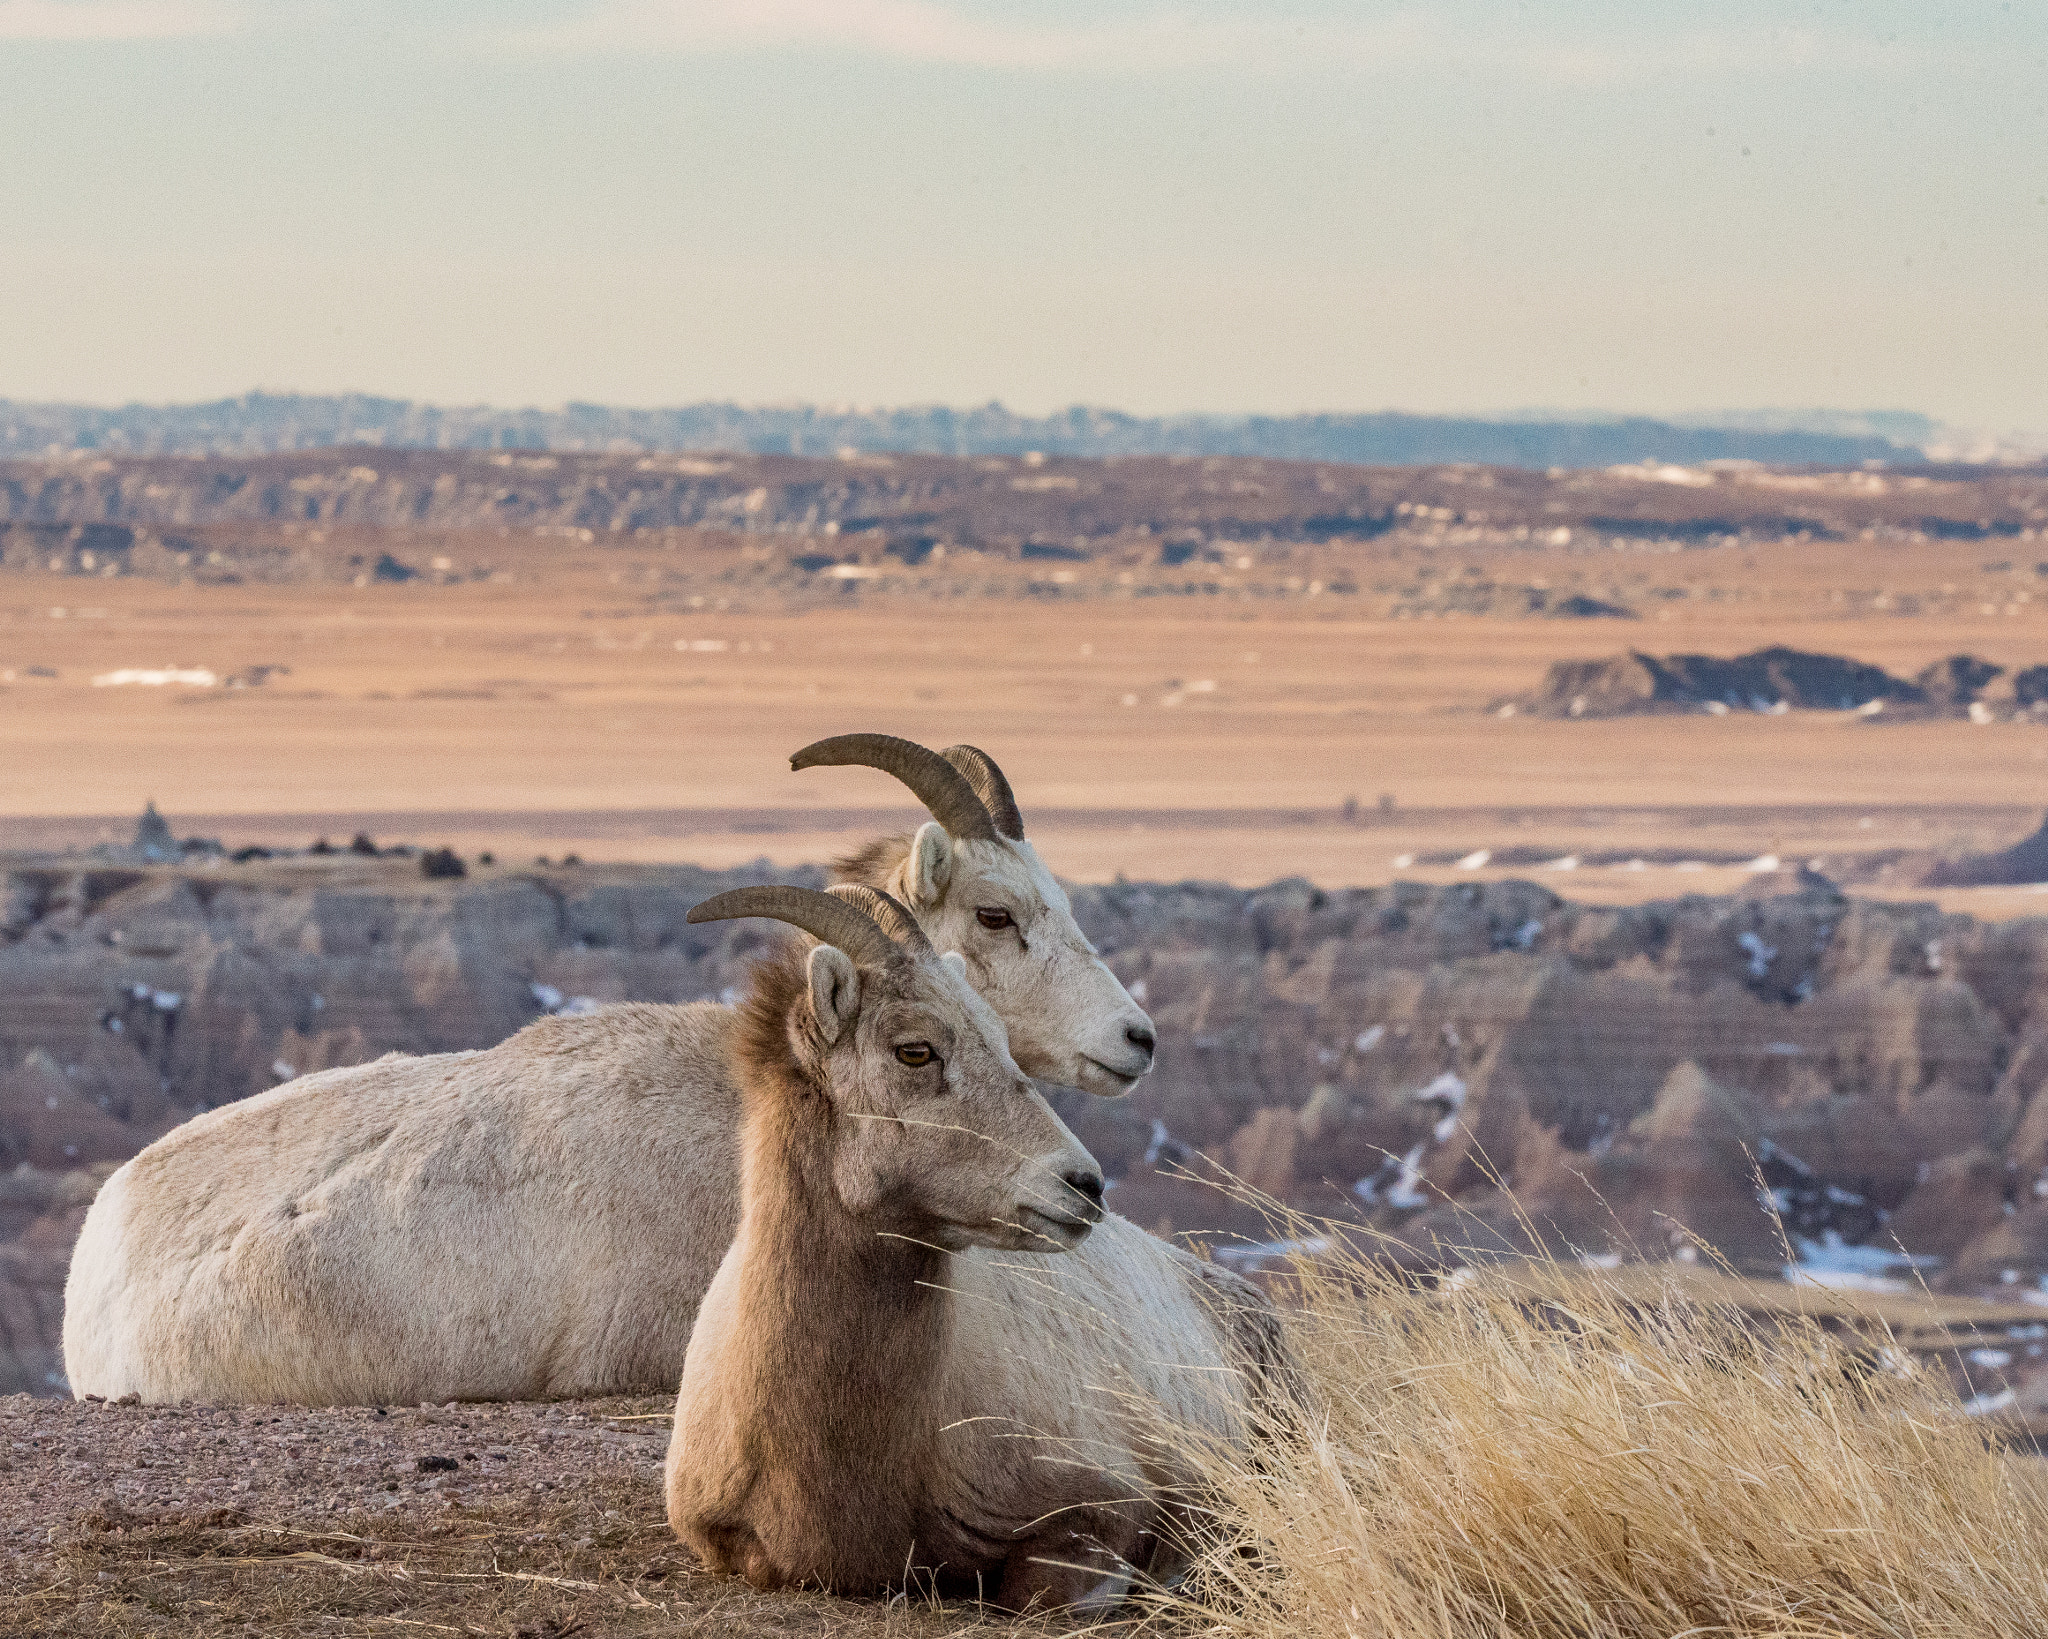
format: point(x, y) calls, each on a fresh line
point(1321, 706)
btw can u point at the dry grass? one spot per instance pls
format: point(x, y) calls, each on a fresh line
point(1494, 1460)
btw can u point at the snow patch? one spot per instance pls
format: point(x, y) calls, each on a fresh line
point(1449, 1091)
point(1250, 1257)
point(1831, 1264)
point(1405, 1192)
point(553, 1001)
point(196, 678)
point(1164, 1144)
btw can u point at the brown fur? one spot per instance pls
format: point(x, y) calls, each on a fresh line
point(761, 1049)
point(861, 1406)
point(874, 864)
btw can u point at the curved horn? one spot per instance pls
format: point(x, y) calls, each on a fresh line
point(989, 785)
point(936, 783)
point(889, 914)
point(823, 916)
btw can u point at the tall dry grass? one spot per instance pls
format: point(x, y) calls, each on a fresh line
point(1490, 1461)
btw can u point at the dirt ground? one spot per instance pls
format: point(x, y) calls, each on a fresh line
point(583, 705)
point(527, 1521)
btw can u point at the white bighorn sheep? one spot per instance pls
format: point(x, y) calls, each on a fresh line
point(538, 1219)
point(880, 1389)
point(976, 886)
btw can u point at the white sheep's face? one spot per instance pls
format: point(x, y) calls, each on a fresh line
point(1070, 1020)
point(941, 1137)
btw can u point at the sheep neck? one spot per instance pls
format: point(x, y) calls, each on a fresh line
point(859, 1321)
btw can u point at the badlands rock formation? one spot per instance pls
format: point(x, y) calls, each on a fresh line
point(1470, 1066)
point(1488, 1064)
point(1632, 684)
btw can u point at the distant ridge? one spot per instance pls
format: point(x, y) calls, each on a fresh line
point(259, 423)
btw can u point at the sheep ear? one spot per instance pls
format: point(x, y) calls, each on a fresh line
point(835, 991)
point(930, 865)
point(954, 960)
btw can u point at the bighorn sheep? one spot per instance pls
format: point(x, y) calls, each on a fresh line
point(976, 886)
point(538, 1219)
point(874, 1392)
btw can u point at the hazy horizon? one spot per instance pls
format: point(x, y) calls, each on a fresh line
point(1788, 415)
point(1203, 207)
point(258, 423)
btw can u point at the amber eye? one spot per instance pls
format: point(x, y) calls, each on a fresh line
point(993, 917)
point(915, 1053)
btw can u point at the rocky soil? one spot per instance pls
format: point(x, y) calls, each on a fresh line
point(529, 1521)
point(278, 1462)
point(1480, 1065)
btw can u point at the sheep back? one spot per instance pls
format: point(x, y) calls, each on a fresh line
point(535, 1220)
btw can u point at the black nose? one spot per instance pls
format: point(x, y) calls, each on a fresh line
point(1140, 1036)
point(1087, 1184)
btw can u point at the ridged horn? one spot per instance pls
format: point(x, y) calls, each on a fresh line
point(936, 783)
point(990, 786)
point(826, 917)
point(890, 914)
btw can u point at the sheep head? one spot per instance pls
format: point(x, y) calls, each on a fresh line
point(934, 1133)
point(978, 887)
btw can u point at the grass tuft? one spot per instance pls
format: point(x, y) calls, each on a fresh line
point(1545, 1452)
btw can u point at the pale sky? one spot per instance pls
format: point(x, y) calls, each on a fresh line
point(1196, 205)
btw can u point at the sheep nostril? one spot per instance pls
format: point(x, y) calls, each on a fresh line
point(1086, 1184)
point(1140, 1036)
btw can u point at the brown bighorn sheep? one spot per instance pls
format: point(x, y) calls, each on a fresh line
point(534, 1220)
point(879, 1389)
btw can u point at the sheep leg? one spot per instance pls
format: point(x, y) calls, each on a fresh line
point(734, 1550)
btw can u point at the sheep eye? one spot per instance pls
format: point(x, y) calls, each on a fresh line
point(915, 1053)
point(993, 917)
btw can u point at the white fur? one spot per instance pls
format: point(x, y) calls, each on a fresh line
point(1070, 1019)
point(538, 1219)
